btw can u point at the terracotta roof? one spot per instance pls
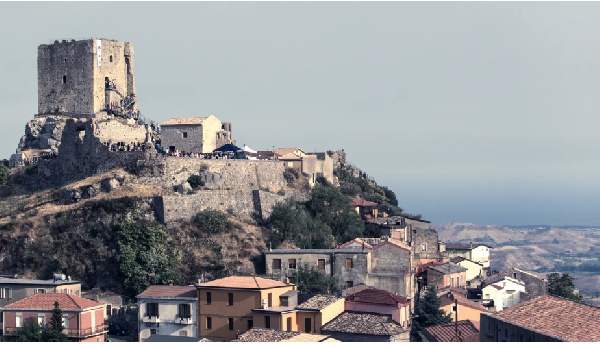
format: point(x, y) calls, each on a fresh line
point(377, 296)
point(448, 268)
point(360, 201)
point(467, 331)
point(169, 291)
point(243, 283)
point(180, 121)
point(318, 302)
point(357, 241)
point(356, 289)
point(270, 335)
point(449, 300)
point(285, 150)
point(395, 243)
point(554, 316)
point(364, 324)
point(46, 301)
point(290, 157)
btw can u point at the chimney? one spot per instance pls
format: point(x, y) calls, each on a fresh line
point(270, 246)
point(471, 245)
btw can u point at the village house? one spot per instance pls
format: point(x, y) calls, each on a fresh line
point(534, 286)
point(225, 305)
point(474, 269)
point(168, 311)
point(83, 319)
point(446, 275)
point(352, 326)
point(475, 252)
point(466, 309)
point(271, 335)
point(313, 165)
point(503, 291)
point(366, 209)
point(373, 300)
point(197, 135)
point(544, 319)
point(463, 331)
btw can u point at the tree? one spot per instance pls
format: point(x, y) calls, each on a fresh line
point(195, 181)
point(30, 331)
point(4, 171)
point(350, 189)
point(54, 332)
point(391, 196)
point(428, 312)
point(212, 222)
point(292, 223)
point(313, 281)
point(562, 286)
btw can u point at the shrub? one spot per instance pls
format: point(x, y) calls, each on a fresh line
point(195, 181)
point(212, 221)
point(281, 192)
point(290, 175)
point(31, 170)
point(32, 213)
point(350, 189)
point(3, 174)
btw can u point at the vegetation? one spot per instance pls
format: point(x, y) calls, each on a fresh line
point(281, 193)
point(562, 286)
point(312, 281)
point(195, 181)
point(428, 312)
point(54, 332)
point(211, 221)
point(291, 175)
point(30, 331)
point(3, 174)
point(293, 223)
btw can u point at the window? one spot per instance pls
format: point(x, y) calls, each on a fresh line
point(19, 321)
point(108, 310)
point(283, 301)
point(152, 310)
point(321, 263)
point(40, 291)
point(152, 331)
point(110, 59)
point(208, 298)
point(292, 263)
point(424, 247)
point(461, 280)
point(451, 281)
point(41, 320)
point(184, 135)
point(250, 324)
point(270, 299)
point(291, 280)
point(267, 322)
point(65, 321)
point(276, 263)
point(349, 284)
point(307, 325)
point(2, 291)
point(208, 323)
point(230, 322)
point(289, 324)
point(184, 311)
point(348, 263)
point(230, 302)
point(454, 308)
point(64, 78)
point(76, 292)
point(487, 295)
point(183, 333)
point(457, 283)
point(6, 293)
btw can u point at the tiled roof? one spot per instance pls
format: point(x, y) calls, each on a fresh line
point(448, 268)
point(181, 121)
point(446, 300)
point(269, 335)
point(396, 243)
point(360, 201)
point(457, 259)
point(243, 283)
point(554, 316)
point(356, 289)
point(459, 246)
point(290, 157)
point(285, 150)
point(425, 266)
point(37, 282)
point(467, 331)
point(355, 241)
point(318, 302)
point(377, 296)
point(364, 324)
point(46, 301)
point(169, 291)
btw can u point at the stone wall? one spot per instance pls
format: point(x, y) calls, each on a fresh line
point(114, 70)
point(533, 285)
point(116, 130)
point(172, 135)
point(357, 274)
point(425, 237)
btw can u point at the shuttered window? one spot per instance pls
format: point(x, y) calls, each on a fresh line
point(348, 263)
point(276, 263)
point(321, 263)
point(184, 311)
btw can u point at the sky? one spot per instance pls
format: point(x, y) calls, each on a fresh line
point(470, 112)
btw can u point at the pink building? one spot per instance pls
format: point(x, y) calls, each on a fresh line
point(382, 302)
point(83, 319)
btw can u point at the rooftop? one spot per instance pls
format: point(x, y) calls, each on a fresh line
point(282, 151)
point(459, 246)
point(318, 251)
point(37, 282)
point(169, 291)
point(396, 243)
point(46, 301)
point(557, 317)
point(448, 268)
point(238, 282)
point(446, 300)
point(269, 335)
point(364, 324)
point(181, 121)
point(360, 201)
point(377, 296)
point(467, 330)
point(356, 289)
point(357, 241)
point(318, 302)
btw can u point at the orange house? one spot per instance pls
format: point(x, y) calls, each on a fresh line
point(83, 319)
point(446, 275)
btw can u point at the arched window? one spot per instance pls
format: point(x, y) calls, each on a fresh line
point(64, 78)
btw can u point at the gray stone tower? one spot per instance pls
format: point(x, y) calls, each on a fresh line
point(72, 75)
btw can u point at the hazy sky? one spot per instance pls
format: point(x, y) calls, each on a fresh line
point(471, 112)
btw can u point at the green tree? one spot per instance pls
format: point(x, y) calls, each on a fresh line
point(313, 281)
point(292, 223)
point(428, 312)
point(54, 332)
point(391, 196)
point(562, 286)
point(3, 174)
point(212, 221)
point(195, 181)
point(30, 331)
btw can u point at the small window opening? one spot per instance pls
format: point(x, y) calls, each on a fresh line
point(64, 78)
point(110, 59)
point(65, 60)
point(184, 135)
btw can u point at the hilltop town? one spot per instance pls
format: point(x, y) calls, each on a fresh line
point(116, 227)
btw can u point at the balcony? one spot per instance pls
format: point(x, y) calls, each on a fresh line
point(151, 319)
point(184, 321)
point(71, 333)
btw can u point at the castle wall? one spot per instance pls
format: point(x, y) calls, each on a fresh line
point(73, 60)
point(117, 131)
point(115, 70)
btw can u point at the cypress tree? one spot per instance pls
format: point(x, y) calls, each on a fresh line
point(54, 333)
point(428, 312)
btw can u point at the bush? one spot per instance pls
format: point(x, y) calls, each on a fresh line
point(212, 221)
point(32, 213)
point(31, 169)
point(281, 192)
point(290, 175)
point(3, 174)
point(350, 189)
point(195, 181)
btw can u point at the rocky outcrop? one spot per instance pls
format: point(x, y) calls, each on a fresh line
point(109, 184)
point(69, 196)
point(43, 133)
point(89, 191)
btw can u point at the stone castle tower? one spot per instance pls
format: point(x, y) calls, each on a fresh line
point(72, 75)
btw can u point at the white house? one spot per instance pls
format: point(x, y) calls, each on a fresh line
point(474, 269)
point(479, 253)
point(167, 310)
point(504, 291)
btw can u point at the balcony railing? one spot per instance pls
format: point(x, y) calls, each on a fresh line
point(151, 319)
point(184, 321)
point(74, 333)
